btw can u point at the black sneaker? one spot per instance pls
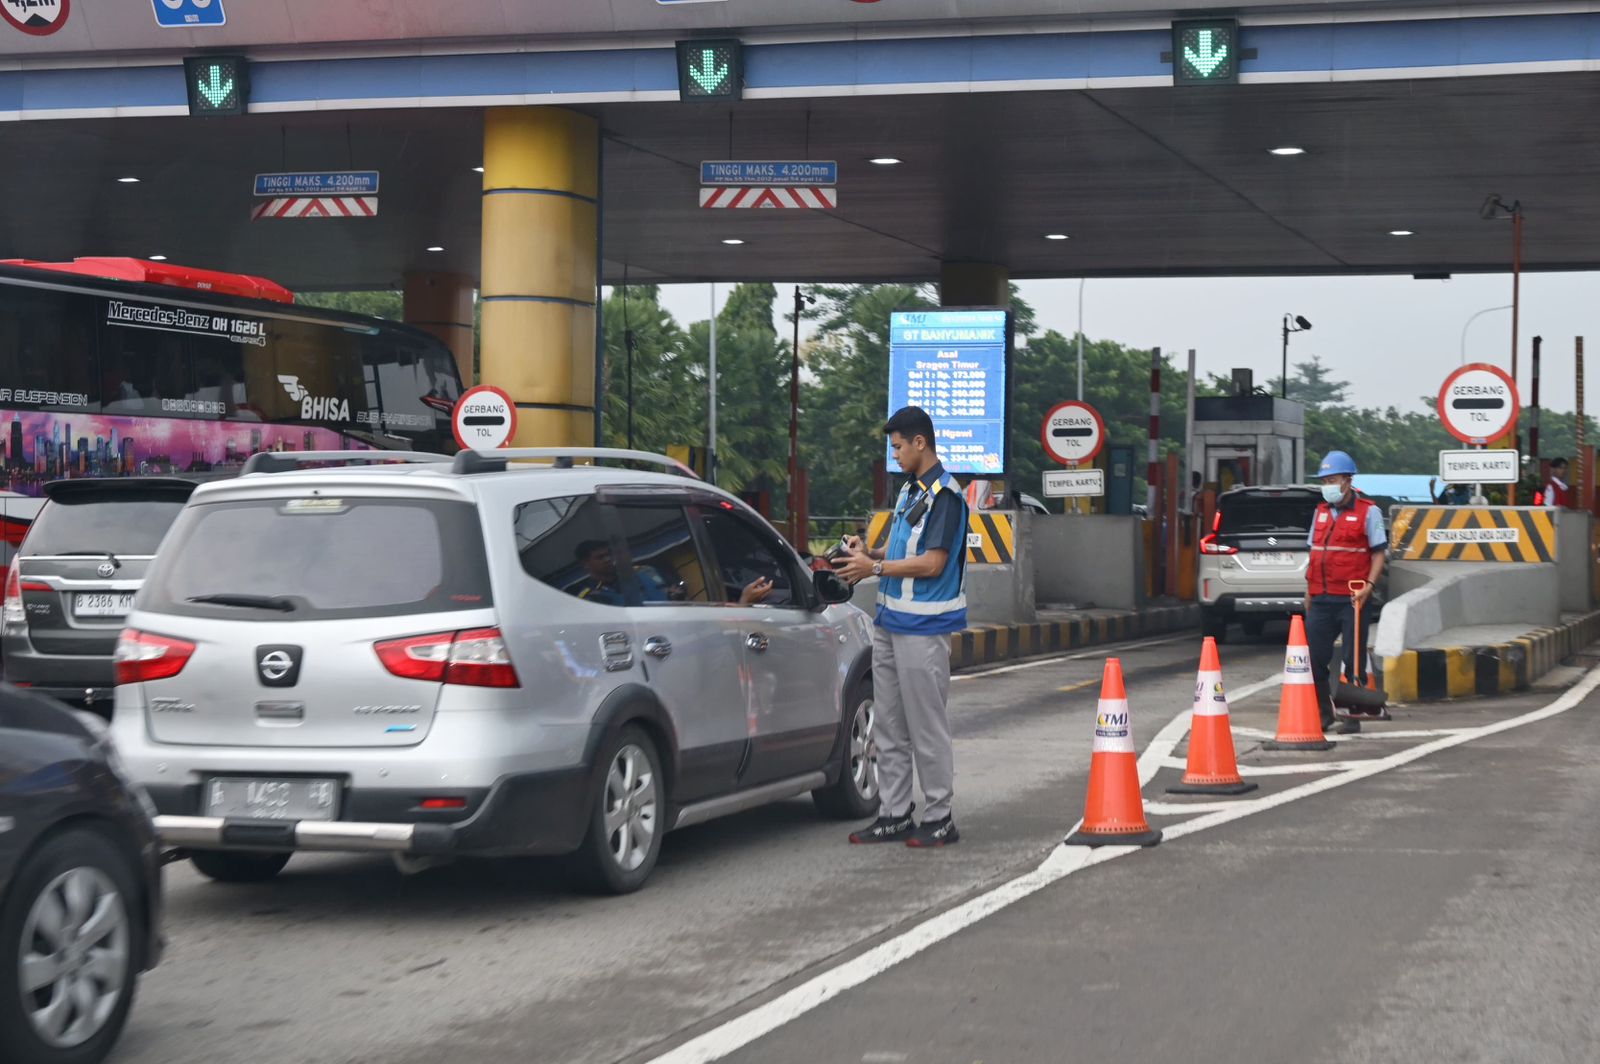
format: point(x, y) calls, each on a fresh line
point(932, 834)
point(886, 829)
point(1347, 727)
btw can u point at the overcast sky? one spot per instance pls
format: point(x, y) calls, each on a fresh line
point(1393, 338)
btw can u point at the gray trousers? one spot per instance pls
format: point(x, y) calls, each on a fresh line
point(910, 692)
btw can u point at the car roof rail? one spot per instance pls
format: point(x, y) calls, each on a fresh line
point(288, 461)
point(497, 461)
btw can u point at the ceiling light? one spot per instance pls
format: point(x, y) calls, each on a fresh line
point(127, 180)
point(884, 160)
point(1288, 150)
point(1401, 232)
point(158, 258)
point(436, 247)
point(733, 241)
point(477, 169)
point(1055, 236)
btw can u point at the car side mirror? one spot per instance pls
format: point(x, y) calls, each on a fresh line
point(831, 587)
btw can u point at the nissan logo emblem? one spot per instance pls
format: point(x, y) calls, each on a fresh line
point(107, 570)
point(276, 665)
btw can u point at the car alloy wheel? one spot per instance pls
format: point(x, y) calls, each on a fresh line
point(864, 750)
point(630, 807)
point(74, 959)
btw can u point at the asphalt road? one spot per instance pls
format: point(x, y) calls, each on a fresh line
point(1405, 910)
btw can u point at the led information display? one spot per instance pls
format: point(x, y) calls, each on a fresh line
point(1205, 52)
point(218, 84)
point(952, 363)
point(710, 70)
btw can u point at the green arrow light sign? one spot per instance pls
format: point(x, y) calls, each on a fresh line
point(710, 70)
point(1205, 52)
point(218, 84)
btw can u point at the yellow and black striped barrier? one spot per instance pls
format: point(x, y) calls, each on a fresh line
point(1436, 673)
point(991, 536)
point(1473, 534)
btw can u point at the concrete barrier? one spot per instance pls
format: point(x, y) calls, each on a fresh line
point(1432, 597)
point(1434, 673)
point(1086, 559)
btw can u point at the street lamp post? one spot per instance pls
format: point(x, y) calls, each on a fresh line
point(1292, 323)
point(1473, 318)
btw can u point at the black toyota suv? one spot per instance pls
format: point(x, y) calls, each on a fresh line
point(73, 580)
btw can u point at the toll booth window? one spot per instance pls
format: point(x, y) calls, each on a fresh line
point(46, 349)
point(564, 543)
point(744, 556)
point(666, 561)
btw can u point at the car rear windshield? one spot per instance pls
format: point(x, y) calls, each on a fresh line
point(1245, 515)
point(318, 558)
point(122, 524)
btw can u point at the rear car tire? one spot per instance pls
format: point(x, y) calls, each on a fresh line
point(226, 866)
point(1214, 623)
point(1254, 626)
point(71, 933)
point(627, 817)
point(854, 796)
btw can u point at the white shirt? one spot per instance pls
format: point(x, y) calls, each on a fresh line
point(1549, 492)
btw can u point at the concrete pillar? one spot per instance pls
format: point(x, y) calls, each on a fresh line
point(440, 304)
point(541, 215)
point(974, 284)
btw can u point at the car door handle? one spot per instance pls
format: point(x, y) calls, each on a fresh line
point(657, 647)
point(756, 641)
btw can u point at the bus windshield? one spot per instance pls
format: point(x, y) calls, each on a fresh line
point(101, 378)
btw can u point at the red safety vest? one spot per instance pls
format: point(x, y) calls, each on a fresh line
point(1339, 549)
point(1565, 498)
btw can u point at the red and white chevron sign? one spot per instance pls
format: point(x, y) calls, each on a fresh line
point(769, 196)
point(317, 207)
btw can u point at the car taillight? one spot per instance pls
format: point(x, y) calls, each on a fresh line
point(13, 617)
point(1209, 545)
point(142, 656)
point(473, 658)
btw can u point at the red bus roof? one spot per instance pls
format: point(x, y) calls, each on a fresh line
point(147, 272)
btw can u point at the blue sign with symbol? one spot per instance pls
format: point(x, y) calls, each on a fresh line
point(183, 14)
point(336, 183)
point(953, 363)
point(769, 173)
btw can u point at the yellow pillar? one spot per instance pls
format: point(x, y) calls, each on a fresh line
point(440, 304)
point(974, 284)
point(541, 214)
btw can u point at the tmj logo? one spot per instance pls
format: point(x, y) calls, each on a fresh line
point(314, 407)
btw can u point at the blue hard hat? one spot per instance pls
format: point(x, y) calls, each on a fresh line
point(1335, 462)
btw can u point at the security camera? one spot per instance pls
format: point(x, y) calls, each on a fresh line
point(1298, 320)
point(1490, 206)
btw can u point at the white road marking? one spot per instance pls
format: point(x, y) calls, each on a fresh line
point(1062, 861)
point(1275, 770)
point(1104, 651)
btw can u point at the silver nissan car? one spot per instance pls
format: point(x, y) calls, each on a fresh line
point(504, 653)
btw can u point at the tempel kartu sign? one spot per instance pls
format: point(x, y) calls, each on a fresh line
point(953, 364)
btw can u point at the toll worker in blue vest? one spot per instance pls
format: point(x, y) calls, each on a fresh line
point(1347, 542)
point(921, 600)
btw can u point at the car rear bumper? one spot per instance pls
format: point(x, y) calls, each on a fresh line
point(1258, 603)
point(537, 813)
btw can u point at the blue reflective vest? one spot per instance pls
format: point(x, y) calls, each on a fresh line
point(928, 605)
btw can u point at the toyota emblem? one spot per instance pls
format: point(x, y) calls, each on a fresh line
point(276, 665)
point(106, 570)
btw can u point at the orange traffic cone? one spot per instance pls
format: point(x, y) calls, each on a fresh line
point(1299, 717)
point(1113, 813)
point(1212, 768)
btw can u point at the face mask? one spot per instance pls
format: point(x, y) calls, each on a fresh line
point(1333, 492)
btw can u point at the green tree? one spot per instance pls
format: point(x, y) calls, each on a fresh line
point(752, 389)
point(1313, 385)
point(669, 395)
point(385, 304)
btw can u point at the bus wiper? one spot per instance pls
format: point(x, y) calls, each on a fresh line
point(249, 602)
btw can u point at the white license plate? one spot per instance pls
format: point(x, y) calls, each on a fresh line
point(272, 799)
point(102, 604)
point(1274, 559)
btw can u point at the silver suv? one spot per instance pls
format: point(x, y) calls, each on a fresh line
point(483, 656)
point(1253, 563)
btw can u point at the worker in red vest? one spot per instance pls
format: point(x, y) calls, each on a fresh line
point(1347, 544)
point(1558, 493)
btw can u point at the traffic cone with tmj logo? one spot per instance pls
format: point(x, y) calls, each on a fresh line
point(1113, 813)
point(1299, 717)
point(1212, 767)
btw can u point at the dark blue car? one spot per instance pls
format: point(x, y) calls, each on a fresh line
point(80, 885)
